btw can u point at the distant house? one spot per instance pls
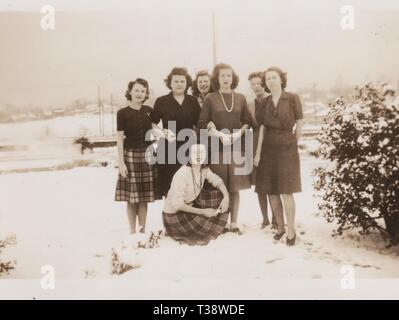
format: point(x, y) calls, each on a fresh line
point(59, 112)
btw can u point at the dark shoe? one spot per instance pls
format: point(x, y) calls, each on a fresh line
point(225, 230)
point(264, 225)
point(237, 230)
point(291, 242)
point(278, 236)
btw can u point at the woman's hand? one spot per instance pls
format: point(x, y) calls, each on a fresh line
point(211, 126)
point(256, 160)
point(236, 135)
point(225, 138)
point(157, 133)
point(169, 135)
point(209, 212)
point(224, 205)
point(123, 169)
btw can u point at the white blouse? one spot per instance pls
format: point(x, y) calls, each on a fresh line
point(182, 189)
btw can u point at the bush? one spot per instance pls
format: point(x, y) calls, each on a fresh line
point(359, 185)
point(6, 266)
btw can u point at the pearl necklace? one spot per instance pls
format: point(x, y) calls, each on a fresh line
point(224, 103)
point(197, 188)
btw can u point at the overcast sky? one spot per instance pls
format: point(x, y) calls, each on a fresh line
point(108, 43)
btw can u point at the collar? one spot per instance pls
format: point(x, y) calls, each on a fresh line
point(284, 95)
point(172, 98)
point(262, 97)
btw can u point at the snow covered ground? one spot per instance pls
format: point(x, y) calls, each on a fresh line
point(68, 219)
point(60, 127)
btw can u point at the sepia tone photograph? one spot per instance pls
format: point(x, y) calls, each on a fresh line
point(185, 150)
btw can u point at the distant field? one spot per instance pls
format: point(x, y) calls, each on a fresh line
point(74, 126)
point(62, 127)
point(43, 143)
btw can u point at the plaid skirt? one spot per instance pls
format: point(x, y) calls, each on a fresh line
point(139, 185)
point(195, 229)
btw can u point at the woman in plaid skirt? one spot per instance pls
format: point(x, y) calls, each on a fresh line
point(186, 219)
point(136, 180)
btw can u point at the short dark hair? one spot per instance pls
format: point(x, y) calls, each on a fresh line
point(194, 88)
point(282, 75)
point(215, 76)
point(143, 82)
point(178, 71)
point(256, 74)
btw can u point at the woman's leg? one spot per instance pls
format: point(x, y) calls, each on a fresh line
point(132, 210)
point(262, 198)
point(142, 216)
point(277, 209)
point(274, 220)
point(289, 205)
point(235, 203)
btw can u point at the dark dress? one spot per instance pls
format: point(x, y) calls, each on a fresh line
point(214, 110)
point(253, 108)
point(279, 168)
point(140, 184)
point(185, 116)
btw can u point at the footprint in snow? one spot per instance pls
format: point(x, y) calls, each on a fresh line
point(274, 260)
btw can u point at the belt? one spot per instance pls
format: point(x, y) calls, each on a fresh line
point(275, 130)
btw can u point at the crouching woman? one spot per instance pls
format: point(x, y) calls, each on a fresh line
point(196, 205)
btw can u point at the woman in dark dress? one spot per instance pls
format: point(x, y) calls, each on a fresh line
point(178, 111)
point(225, 114)
point(278, 172)
point(255, 80)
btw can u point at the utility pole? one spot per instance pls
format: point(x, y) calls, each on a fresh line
point(99, 109)
point(314, 101)
point(112, 116)
point(214, 38)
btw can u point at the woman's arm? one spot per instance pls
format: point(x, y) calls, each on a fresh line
point(208, 212)
point(224, 205)
point(223, 190)
point(298, 129)
point(190, 209)
point(122, 165)
point(298, 114)
point(245, 119)
point(259, 146)
point(237, 135)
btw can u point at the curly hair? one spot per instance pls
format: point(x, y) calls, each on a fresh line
point(194, 87)
point(282, 75)
point(215, 76)
point(143, 82)
point(179, 71)
point(256, 74)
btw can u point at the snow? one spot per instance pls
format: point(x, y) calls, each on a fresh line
point(60, 127)
point(69, 219)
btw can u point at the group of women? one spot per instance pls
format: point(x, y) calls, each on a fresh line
point(199, 195)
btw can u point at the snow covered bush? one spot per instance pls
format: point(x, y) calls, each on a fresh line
point(359, 183)
point(126, 256)
point(6, 266)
